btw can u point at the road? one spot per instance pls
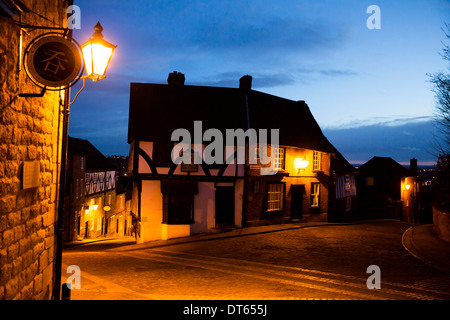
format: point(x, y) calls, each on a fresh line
point(327, 262)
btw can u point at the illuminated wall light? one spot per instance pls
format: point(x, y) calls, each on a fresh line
point(300, 164)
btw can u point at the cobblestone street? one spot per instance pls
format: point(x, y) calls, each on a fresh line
point(326, 262)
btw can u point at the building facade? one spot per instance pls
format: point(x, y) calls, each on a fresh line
point(30, 147)
point(97, 205)
point(386, 189)
point(176, 199)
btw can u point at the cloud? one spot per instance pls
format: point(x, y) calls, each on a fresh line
point(262, 37)
point(387, 121)
point(274, 79)
point(361, 143)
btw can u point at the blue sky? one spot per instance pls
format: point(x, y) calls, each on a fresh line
point(367, 89)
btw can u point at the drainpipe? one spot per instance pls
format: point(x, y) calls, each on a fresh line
point(245, 84)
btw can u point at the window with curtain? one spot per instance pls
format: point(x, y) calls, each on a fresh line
point(315, 194)
point(275, 197)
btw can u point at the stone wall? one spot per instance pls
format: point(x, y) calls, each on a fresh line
point(30, 130)
point(441, 223)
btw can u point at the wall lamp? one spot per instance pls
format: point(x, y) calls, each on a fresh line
point(300, 164)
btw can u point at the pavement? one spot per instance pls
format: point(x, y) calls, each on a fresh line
point(419, 240)
point(423, 243)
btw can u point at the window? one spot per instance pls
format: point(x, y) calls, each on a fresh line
point(275, 197)
point(348, 185)
point(349, 204)
point(279, 158)
point(370, 181)
point(317, 161)
point(82, 163)
point(108, 199)
point(315, 194)
point(256, 186)
point(77, 189)
point(178, 208)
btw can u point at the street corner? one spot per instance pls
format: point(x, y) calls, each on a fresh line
point(423, 243)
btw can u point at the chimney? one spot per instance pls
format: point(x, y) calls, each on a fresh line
point(413, 167)
point(176, 79)
point(245, 83)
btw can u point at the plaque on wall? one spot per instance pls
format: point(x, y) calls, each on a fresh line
point(31, 174)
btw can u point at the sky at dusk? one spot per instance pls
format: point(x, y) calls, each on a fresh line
point(368, 89)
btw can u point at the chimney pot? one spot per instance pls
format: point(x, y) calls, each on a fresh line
point(176, 78)
point(413, 166)
point(245, 83)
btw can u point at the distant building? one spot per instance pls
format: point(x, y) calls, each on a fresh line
point(345, 205)
point(171, 200)
point(386, 189)
point(95, 201)
point(120, 163)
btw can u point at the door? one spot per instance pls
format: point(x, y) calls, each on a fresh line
point(86, 229)
point(297, 192)
point(225, 206)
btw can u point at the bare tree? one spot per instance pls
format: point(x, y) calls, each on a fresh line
point(441, 82)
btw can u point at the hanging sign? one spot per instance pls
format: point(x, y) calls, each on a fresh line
point(53, 61)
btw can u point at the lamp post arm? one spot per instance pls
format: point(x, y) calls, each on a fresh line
point(82, 87)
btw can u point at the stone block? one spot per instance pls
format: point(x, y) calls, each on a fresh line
point(11, 289)
point(7, 204)
point(8, 238)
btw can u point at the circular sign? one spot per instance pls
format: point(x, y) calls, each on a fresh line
point(52, 61)
point(106, 208)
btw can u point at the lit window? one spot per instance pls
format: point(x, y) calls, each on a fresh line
point(279, 158)
point(370, 181)
point(317, 161)
point(348, 185)
point(275, 198)
point(315, 194)
point(82, 163)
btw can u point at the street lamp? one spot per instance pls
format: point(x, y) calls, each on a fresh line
point(97, 54)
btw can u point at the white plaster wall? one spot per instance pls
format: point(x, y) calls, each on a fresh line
point(147, 147)
point(151, 211)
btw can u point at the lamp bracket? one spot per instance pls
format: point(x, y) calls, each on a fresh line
point(33, 95)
